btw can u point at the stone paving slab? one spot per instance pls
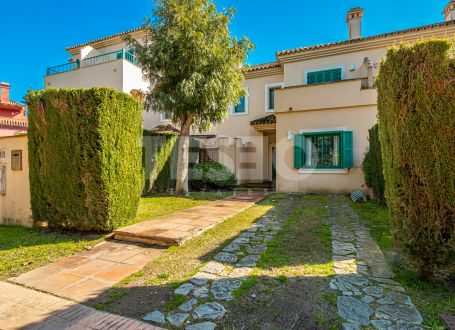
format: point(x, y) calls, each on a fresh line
point(85, 275)
point(176, 228)
point(22, 308)
point(369, 297)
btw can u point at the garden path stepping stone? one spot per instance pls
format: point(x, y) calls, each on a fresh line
point(155, 316)
point(201, 292)
point(211, 311)
point(232, 248)
point(213, 267)
point(225, 257)
point(399, 312)
point(222, 289)
point(202, 278)
point(184, 289)
point(368, 292)
point(354, 310)
point(177, 319)
point(201, 326)
point(188, 306)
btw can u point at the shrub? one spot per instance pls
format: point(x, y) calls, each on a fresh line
point(85, 157)
point(372, 165)
point(157, 151)
point(160, 152)
point(211, 176)
point(416, 105)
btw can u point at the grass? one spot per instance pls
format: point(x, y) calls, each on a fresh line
point(432, 299)
point(295, 270)
point(23, 249)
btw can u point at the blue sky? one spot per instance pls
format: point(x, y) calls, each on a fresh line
point(35, 33)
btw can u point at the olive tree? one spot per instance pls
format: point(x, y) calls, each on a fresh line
point(194, 66)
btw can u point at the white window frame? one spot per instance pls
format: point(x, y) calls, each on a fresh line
point(163, 119)
point(247, 101)
point(268, 87)
point(342, 67)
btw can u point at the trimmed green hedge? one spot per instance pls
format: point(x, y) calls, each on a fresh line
point(211, 176)
point(416, 102)
point(85, 157)
point(372, 165)
point(160, 152)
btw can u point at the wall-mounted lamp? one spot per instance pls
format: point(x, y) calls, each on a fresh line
point(290, 135)
point(352, 67)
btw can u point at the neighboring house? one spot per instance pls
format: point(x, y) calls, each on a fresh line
point(305, 121)
point(13, 118)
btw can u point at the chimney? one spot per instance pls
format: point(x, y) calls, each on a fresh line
point(449, 12)
point(354, 20)
point(4, 92)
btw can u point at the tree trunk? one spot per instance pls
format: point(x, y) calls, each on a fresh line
point(424, 271)
point(181, 185)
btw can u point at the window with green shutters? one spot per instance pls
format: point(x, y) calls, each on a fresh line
point(323, 150)
point(319, 77)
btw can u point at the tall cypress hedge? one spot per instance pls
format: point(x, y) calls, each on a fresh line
point(416, 104)
point(85, 157)
point(160, 152)
point(372, 165)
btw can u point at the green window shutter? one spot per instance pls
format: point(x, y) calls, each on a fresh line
point(298, 151)
point(348, 152)
point(324, 76)
point(311, 79)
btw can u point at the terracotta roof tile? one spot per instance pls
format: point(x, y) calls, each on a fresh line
point(105, 38)
point(346, 42)
point(13, 123)
point(271, 119)
point(264, 66)
point(166, 129)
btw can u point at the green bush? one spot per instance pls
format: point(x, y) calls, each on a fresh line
point(372, 165)
point(416, 103)
point(157, 152)
point(85, 157)
point(160, 153)
point(211, 176)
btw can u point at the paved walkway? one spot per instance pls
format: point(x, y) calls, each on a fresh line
point(176, 228)
point(369, 296)
point(85, 275)
point(22, 308)
point(216, 281)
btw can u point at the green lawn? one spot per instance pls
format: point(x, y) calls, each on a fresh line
point(23, 249)
point(432, 299)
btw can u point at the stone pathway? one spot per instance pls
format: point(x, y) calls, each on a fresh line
point(216, 281)
point(178, 227)
point(369, 297)
point(22, 308)
point(85, 275)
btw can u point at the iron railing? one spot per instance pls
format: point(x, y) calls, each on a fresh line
point(63, 67)
point(95, 60)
